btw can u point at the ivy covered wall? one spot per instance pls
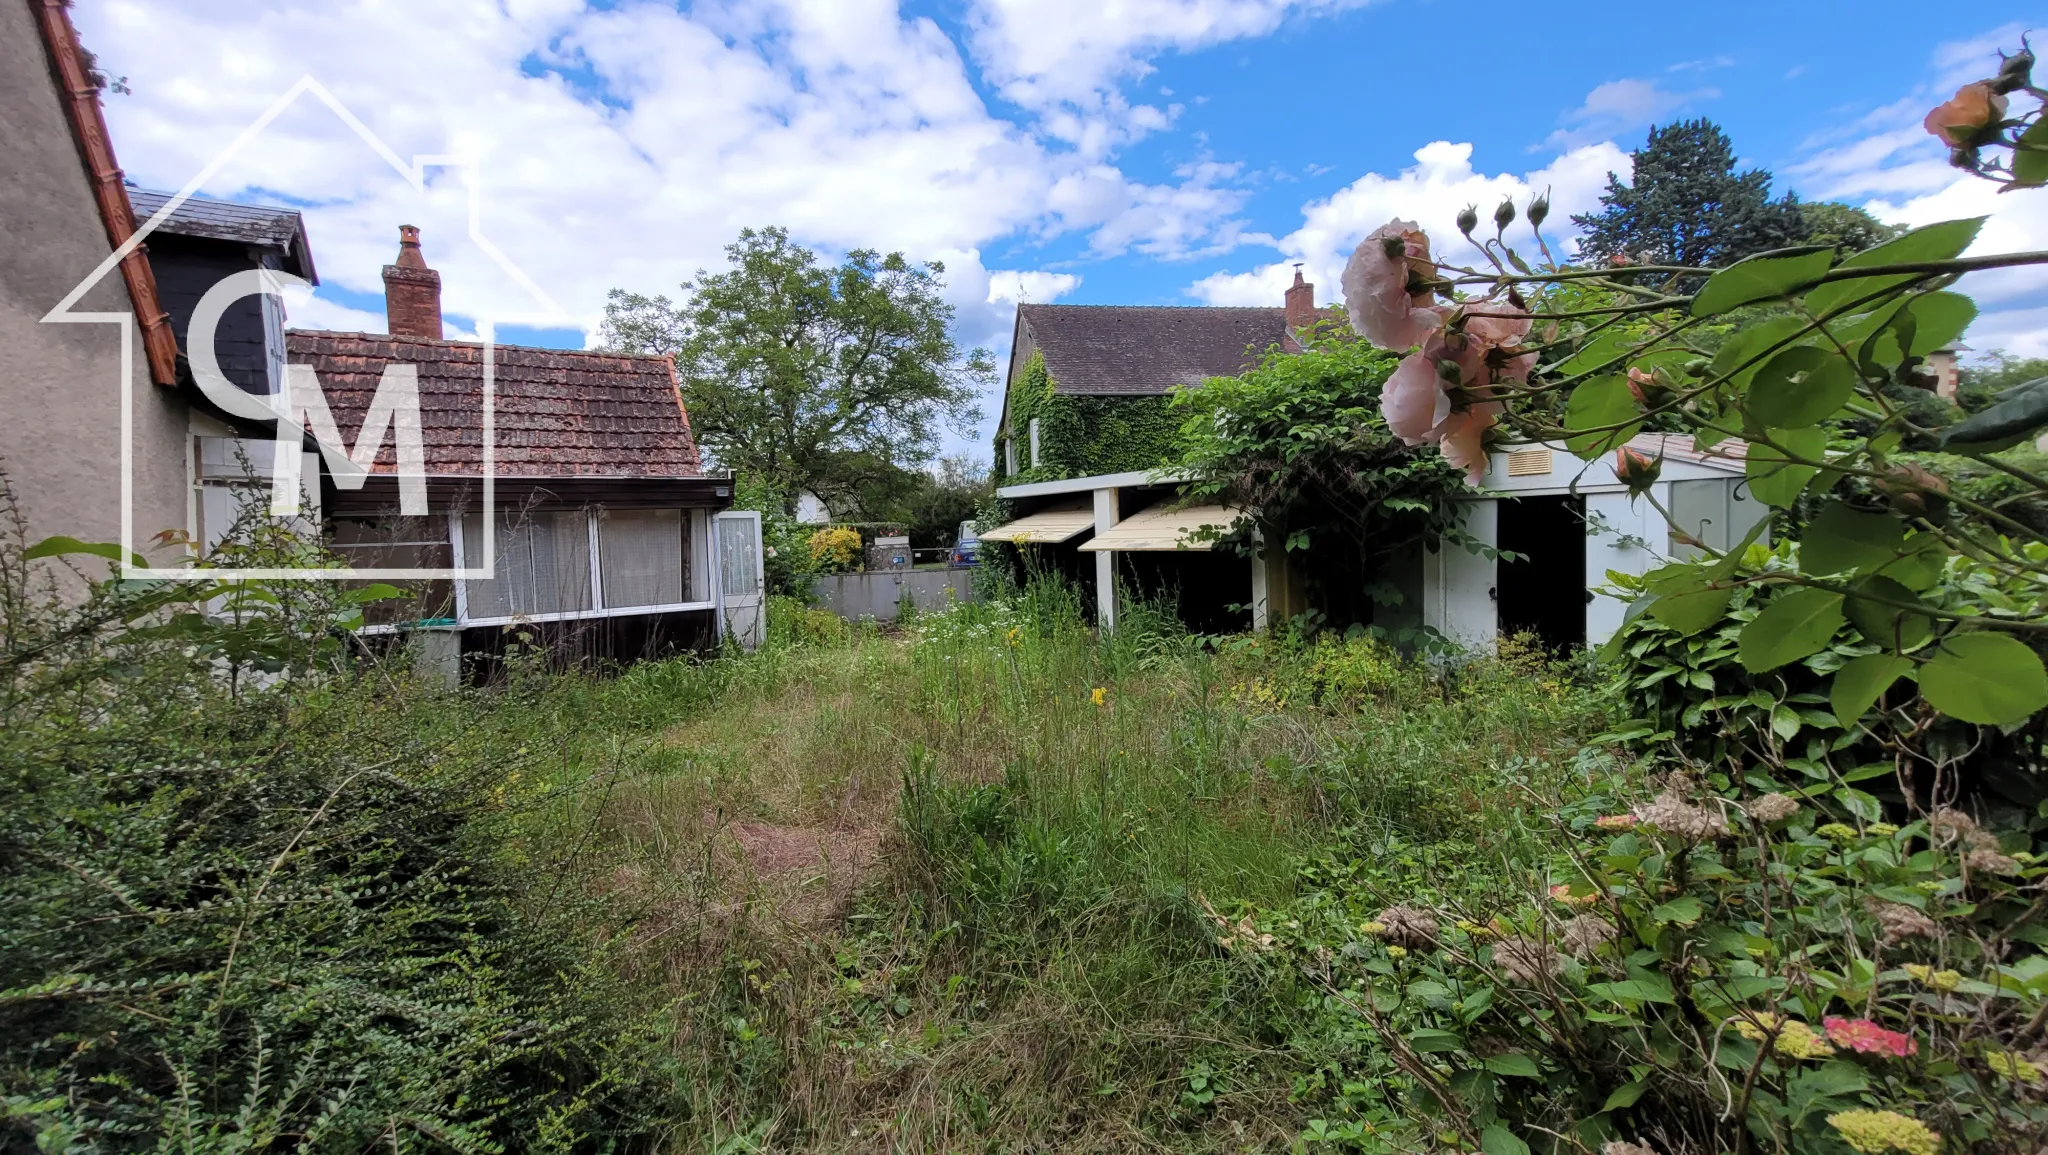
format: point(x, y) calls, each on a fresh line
point(1082, 435)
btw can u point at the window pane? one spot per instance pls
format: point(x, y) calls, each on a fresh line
point(738, 569)
point(542, 565)
point(643, 557)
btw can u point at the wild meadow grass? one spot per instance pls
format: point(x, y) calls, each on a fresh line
point(951, 887)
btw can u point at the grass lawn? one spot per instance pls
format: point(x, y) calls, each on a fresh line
point(955, 887)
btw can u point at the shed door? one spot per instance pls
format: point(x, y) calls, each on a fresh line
point(740, 578)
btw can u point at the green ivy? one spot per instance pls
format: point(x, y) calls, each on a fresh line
point(1082, 435)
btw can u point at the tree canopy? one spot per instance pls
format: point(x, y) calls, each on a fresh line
point(1686, 204)
point(811, 376)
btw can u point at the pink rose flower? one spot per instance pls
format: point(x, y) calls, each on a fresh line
point(1463, 438)
point(1376, 291)
point(1413, 400)
point(1867, 1038)
point(1962, 119)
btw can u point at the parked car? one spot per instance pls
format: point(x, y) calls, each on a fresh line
point(966, 547)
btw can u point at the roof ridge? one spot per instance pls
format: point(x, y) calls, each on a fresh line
point(368, 336)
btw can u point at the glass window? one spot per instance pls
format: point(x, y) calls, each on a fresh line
point(738, 566)
point(542, 565)
point(643, 557)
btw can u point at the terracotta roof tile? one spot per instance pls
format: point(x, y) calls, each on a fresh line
point(555, 413)
point(1124, 349)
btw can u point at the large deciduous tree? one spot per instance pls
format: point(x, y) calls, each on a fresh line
point(811, 376)
point(1686, 204)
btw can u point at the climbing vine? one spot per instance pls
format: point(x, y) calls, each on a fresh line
point(1081, 435)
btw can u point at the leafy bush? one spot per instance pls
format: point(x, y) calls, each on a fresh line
point(249, 899)
point(835, 549)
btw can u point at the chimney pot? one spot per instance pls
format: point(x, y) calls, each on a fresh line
point(412, 291)
point(1301, 309)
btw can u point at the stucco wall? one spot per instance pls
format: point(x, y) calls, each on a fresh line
point(60, 384)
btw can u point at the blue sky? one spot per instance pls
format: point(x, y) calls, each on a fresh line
point(1096, 151)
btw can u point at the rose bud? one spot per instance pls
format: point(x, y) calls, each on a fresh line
point(2014, 72)
point(1636, 469)
point(1468, 219)
point(1504, 215)
point(1539, 209)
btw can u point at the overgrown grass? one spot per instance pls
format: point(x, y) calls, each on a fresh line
point(951, 887)
point(930, 891)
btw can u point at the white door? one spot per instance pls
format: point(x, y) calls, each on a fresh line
point(740, 580)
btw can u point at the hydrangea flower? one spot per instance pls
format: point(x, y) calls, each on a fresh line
point(1836, 831)
point(1873, 1132)
point(1615, 822)
point(1794, 1039)
point(1867, 1038)
point(2012, 1065)
point(1773, 808)
point(1927, 976)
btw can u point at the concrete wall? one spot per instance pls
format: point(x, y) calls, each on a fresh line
point(878, 595)
point(61, 384)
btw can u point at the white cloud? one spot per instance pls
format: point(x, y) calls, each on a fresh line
point(1886, 162)
point(1431, 192)
point(1068, 59)
point(1621, 106)
point(1019, 286)
point(626, 146)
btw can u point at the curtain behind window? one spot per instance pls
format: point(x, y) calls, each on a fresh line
point(542, 565)
point(644, 557)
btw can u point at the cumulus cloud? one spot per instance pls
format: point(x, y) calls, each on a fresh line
point(625, 145)
point(1431, 192)
point(1623, 106)
point(1021, 286)
point(1886, 162)
point(1068, 59)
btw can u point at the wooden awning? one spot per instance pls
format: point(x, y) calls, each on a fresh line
point(1046, 527)
point(1163, 527)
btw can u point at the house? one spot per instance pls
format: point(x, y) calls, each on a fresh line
point(1086, 433)
point(605, 532)
point(1087, 388)
point(66, 213)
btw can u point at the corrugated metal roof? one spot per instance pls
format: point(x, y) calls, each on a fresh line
point(1163, 527)
point(1046, 527)
point(1730, 455)
point(278, 228)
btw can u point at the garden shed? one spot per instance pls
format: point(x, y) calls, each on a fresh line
point(1569, 522)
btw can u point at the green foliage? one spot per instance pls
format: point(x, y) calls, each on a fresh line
point(817, 378)
point(1844, 228)
point(834, 549)
point(1686, 205)
point(786, 563)
point(1298, 442)
point(249, 899)
point(1081, 435)
point(1977, 386)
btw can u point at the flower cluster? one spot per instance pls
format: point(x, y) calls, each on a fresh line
point(1873, 1132)
point(1525, 960)
point(1867, 1038)
point(1773, 808)
point(1441, 393)
point(1673, 815)
point(1933, 980)
point(1407, 926)
point(1790, 1037)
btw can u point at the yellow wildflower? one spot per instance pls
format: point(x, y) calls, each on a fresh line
point(1010, 639)
point(1098, 696)
point(1927, 976)
point(2013, 1066)
point(1872, 1132)
point(1794, 1038)
point(1881, 830)
point(1836, 831)
point(1397, 952)
point(1371, 927)
point(1473, 928)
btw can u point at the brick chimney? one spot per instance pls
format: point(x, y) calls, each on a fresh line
point(412, 291)
point(1301, 308)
